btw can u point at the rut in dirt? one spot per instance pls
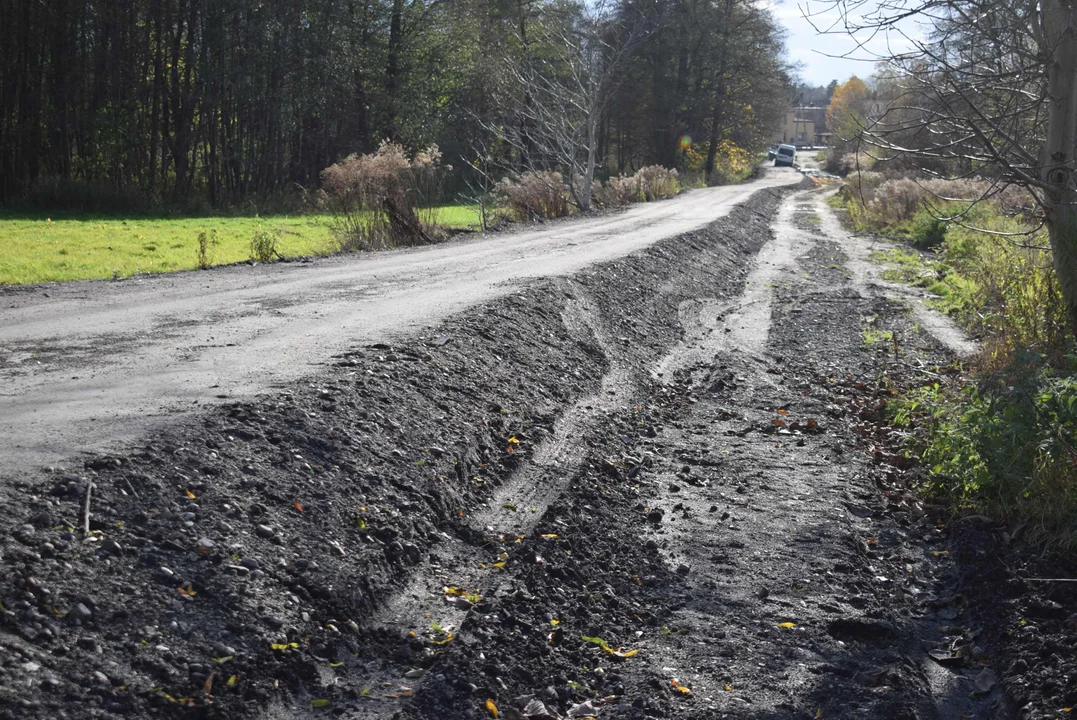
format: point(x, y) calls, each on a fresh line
point(633, 492)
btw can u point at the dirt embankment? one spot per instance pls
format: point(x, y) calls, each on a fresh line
point(661, 487)
point(263, 554)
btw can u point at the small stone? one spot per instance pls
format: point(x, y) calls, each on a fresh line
point(713, 509)
point(221, 650)
point(264, 531)
point(166, 573)
point(112, 547)
point(652, 544)
point(79, 612)
point(204, 546)
point(655, 515)
point(274, 622)
point(250, 563)
point(683, 569)
point(42, 519)
point(674, 488)
point(99, 678)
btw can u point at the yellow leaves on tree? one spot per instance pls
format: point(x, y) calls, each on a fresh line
point(849, 110)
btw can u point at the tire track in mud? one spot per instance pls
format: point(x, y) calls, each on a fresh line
point(754, 567)
point(311, 530)
point(818, 610)
point(520, 504)
point(516, 507)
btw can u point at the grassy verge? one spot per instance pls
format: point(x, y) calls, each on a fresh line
point(1003, 441)
point(44, 249)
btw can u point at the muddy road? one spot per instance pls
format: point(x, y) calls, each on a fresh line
point(657, 486)
point(88, 365)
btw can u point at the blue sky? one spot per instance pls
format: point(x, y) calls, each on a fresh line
point(816, 52)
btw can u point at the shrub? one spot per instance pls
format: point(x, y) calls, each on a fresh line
point(927, 230)
point(618, 191)
point(732, 164)
point(385, 199)
point(657, 182)
point(650, 183)
point(207, 241)
point(534, 195)
point(264, 244)
point(1005, 446)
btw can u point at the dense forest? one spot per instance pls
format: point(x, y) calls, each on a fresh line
point(174, 102)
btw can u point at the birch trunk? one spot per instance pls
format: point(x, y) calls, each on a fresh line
point(1060, 36)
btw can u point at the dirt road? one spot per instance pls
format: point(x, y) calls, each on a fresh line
point(84, 366)
point(659, 486)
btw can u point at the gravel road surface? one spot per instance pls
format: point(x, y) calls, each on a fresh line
point(90, 365)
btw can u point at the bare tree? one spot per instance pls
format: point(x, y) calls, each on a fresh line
point(568, 72)
point(989, 88)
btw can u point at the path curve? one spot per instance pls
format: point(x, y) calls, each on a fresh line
point(90, 366)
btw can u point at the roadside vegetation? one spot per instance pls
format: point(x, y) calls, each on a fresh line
point(371, 120)
point(50, 249)
point(1001, 439)
point(378, 201)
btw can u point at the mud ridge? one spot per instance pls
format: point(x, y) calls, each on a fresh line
point(277, 553)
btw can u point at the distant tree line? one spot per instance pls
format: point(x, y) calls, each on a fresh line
point(219, 101)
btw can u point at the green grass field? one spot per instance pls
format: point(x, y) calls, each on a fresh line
point(45, 250)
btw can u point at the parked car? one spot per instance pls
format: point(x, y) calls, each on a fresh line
point(772, 151)
point(785, 155)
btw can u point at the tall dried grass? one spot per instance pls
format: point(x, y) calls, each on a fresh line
point(385, 199)
point(534, 195)
point(648, 184)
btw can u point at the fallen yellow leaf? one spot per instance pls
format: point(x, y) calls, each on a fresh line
point(787, 625)
point(549, 536)
point(491, 707)
point(555, 622)
point(299, 507)
point(191, 495)
point(319, 703)
point(819, 712)
point(621, 652)
point(232, 680)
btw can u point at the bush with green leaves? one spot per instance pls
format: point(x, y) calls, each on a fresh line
point(264, 244)
point(1006, 446)
point(207, 242)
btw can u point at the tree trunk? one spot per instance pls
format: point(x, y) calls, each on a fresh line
point(589, 169)
point(1060, 34)
point(392, 68)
